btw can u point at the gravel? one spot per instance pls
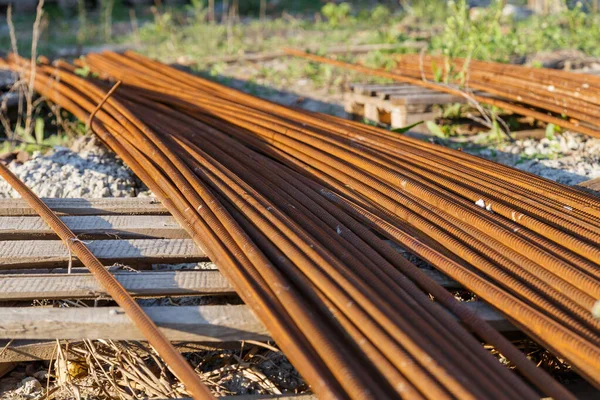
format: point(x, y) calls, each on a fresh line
point(87, 170)
point(566, 158)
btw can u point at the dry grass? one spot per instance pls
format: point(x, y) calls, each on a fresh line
point(128, 370)
point(24, 87)
point(557, 367)
point(132, 370)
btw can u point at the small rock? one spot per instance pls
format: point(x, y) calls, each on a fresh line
point(29, 386)
point(529, 151)
point(41, 375)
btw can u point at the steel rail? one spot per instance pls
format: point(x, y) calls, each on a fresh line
point(557, 101)
point(581, 82)
point(99, 116)
point(484, 74)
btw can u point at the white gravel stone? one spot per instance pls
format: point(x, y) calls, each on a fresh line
point(29, 386)
point(567, 158)
point(90, 172)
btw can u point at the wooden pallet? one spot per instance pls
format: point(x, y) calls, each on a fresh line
point(397, 105)
point(137, 232)
point(140, 231)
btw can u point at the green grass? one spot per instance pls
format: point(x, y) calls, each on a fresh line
point(170, 34)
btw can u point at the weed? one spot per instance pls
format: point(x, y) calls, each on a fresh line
point(550, 130)
point(452, 111)
point(440, 131)
point(426, 11)
point(337, 14)
point(82, 28)
point(405, 129)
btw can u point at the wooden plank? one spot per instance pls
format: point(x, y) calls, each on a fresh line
point(164, 283)
point(592, 184)
point(94, 227)
point(102, 206)
point(54, 253)
point(147, 283)
point(264, 397)
point(374, 101)
point(32, 350)
point(529, 134)
point(271, 397)
point(40, 350)
point(372, 89)
point(27, 350)
point(191, 323)
point(385, 94)
point(437, 98)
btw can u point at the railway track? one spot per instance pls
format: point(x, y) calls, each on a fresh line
point(292, 206)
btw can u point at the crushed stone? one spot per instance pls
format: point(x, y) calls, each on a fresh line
point(87, 170)
point(568, 158)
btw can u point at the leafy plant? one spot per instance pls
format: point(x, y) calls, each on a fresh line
point(336, 14)
point(550, 129)
point(405, 129)
point(107, 7)
point(198, 10)
point(453, 111)
point(39, 130)
point(82, 28)
point(380, 14)
point(426, 10)
point(437, 130)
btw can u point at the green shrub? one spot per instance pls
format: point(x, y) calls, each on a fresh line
point(336, 14)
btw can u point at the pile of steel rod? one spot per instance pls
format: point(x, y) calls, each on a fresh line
point(565, 99)
point(576, 96)
point(292, 205)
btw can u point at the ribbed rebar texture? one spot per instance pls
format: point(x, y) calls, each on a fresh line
point(292, 206)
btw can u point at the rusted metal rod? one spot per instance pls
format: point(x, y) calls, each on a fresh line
point(506, 105)
point(284, 200)
point(155, 337)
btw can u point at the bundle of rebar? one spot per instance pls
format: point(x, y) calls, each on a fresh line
point(292, 206)
point(565, 99)
point(574, 96)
